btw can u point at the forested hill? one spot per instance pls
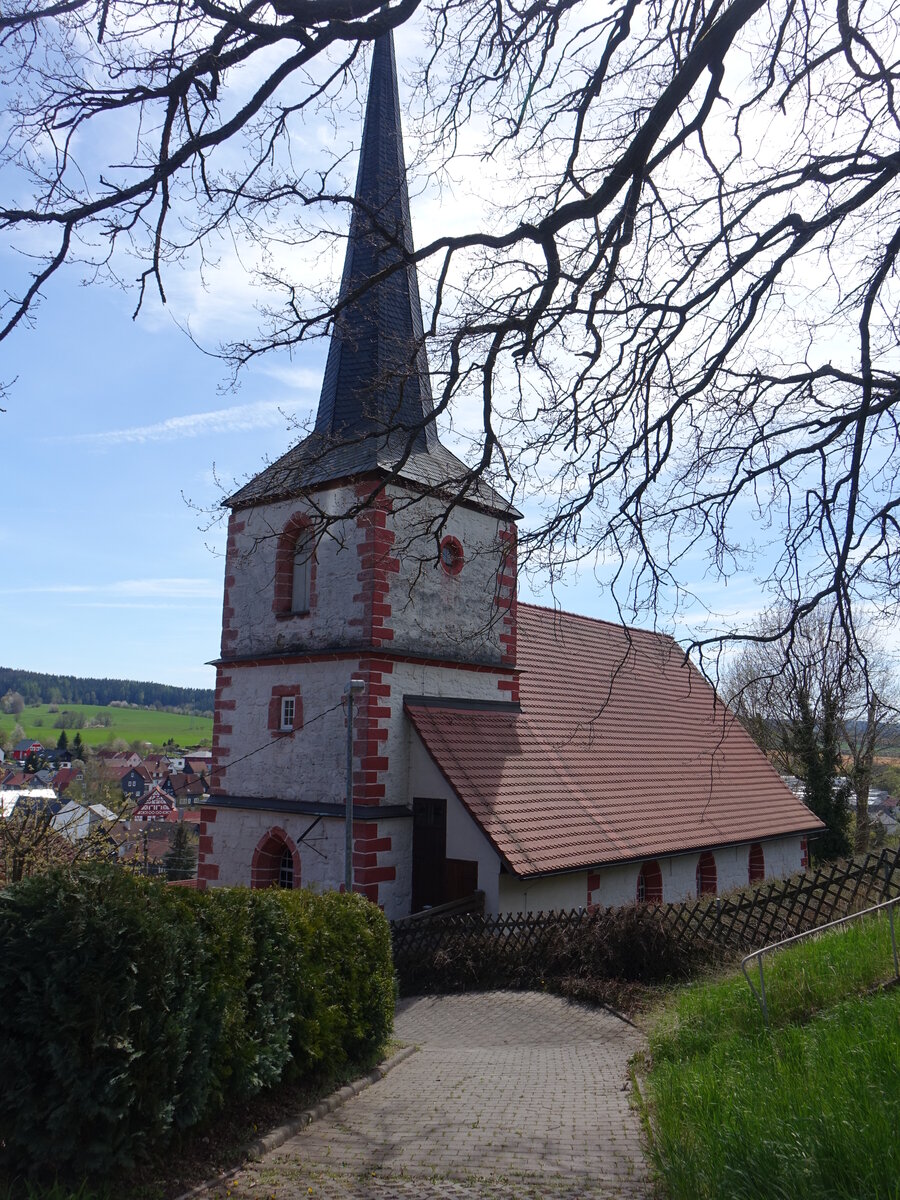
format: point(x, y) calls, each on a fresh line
point(38, 688)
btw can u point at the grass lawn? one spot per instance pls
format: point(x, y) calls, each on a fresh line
point(806, 1110)
point(130, 724)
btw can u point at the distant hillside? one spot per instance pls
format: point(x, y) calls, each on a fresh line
point(106, 726)
point(38, 688)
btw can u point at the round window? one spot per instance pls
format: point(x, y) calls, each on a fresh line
point(452, 555)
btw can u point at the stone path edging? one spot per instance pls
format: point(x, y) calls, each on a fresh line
point(283, 1133)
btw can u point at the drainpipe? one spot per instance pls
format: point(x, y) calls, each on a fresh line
point(354, 687)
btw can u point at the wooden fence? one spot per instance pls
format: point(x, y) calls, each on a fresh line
point(643, 942)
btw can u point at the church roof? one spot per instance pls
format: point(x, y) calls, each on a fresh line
point(375, 409)
point(620, 751)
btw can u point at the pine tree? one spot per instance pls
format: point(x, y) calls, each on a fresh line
point(62, 742)
point(180, 860)
point(77, 747)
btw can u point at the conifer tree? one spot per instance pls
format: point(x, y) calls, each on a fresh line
point(180, 860)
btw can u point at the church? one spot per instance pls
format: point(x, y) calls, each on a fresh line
point(373, 641)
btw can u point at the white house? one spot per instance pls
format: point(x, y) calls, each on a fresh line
point(77, 821)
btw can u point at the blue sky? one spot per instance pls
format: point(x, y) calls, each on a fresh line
point(111, 426)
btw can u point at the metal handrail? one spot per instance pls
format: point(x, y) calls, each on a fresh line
point(757, 954)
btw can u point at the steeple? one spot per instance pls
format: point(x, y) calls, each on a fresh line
point(376, 378)
point(375, 409)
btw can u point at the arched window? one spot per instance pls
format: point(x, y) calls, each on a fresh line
point(706, 874)
point(756, 868)
point(295, 568)
point(649, 883)
point(286, 869)
point(276, 862)
point(300, 577)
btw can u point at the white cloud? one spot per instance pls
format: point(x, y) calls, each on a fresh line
point(174, 588)
point(263, 414)
point(301, 378)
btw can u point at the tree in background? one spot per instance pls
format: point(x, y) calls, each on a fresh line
point(33, 762)
point(870, 714)
point(62, 742)
point(98, 785)
point(77, 746)
point(180, 860)
point(819, 714)
point(674, 314)
point(12, 702)
point(28, 842)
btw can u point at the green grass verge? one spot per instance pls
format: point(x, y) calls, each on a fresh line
point(808, 1109)
point(130, 724)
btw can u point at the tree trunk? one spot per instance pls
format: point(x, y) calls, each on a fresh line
point(862, 816)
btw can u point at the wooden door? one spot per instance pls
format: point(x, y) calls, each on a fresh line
point(429, 852)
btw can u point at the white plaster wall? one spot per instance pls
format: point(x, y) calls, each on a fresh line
point(308, 765)
point(465, 838)
point(432, 612)
point(436, 613)
point(237, 832)
point(783, 857)
point(395, 895)
point(311, 763)
point(547, 894)
point(618, 884)
point(251, 595)
point(416, 679)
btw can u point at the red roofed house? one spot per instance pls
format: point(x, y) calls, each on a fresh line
point(23, 748)
point(155, 806)
point(547, 759)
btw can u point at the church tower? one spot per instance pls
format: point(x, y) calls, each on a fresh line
point(365, 553)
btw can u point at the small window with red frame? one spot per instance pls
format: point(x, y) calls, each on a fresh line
point(452, 557)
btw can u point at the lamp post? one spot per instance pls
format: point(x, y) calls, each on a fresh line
point(354, 687)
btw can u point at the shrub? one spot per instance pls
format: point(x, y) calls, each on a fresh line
point(632, 945)
point(132, 1010)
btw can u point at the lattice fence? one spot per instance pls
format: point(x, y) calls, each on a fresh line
point(642, 943)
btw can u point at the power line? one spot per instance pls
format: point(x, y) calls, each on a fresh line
point(318, 717)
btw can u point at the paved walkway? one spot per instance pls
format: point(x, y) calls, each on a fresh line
point(512, 1096)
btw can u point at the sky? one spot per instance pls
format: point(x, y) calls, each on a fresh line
point(118, 438)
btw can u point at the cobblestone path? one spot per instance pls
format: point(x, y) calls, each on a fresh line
point(511, 1096)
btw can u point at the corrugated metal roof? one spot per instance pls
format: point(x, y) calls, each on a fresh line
point(620, 751)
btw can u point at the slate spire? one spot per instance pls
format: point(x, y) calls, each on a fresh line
point(375, 409)
point(376, 378)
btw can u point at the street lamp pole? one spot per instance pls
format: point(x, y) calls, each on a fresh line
point(354, 687)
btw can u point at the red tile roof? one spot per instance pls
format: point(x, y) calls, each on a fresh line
point(620, 751)
point(64, 777)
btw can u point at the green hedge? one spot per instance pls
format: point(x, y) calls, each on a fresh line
point(130, 1010)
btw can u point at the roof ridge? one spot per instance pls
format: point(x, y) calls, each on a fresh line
point(565, 612)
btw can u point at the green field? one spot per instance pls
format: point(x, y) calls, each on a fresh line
point(806, 1108)
point(129, 724)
